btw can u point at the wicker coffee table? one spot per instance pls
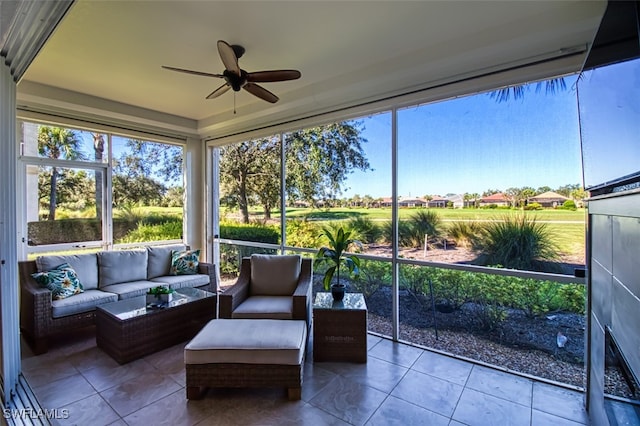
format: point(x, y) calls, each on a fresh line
point(128, 329)
point(340, 328)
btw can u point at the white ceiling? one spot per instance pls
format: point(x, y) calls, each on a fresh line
point(349, 52)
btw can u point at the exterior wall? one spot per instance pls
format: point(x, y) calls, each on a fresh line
point(614, 289)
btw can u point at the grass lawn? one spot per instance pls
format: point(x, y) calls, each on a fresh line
point(445, 214)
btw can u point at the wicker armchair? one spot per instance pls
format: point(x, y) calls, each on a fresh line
point(254, 294)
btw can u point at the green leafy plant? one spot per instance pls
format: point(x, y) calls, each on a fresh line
point(161, 289)
point(334, 254)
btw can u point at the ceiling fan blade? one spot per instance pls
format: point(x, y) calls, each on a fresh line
point(260, 92)
point(228, 56)
point(274, 75)
point(219, 91)
point(206, 74)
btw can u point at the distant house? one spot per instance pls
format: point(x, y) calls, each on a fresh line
point(498, 199)
point(437, 202)
point(548, 199)
point(457, 201)
point(412, 202)
point(385, 202)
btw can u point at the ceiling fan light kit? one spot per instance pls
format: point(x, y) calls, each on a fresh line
point(237, 78)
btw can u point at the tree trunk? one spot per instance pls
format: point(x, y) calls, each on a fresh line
point(98, 147)
point(52, 194)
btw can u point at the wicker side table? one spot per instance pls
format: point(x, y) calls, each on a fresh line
point(340, 328)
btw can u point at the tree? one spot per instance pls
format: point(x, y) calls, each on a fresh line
point(57, 143)
point(319, 159)
point(551, 86)
point(140, 173)
point(248, 169)
point(98, 154)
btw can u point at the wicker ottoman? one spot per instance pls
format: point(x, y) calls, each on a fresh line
point(246, 353)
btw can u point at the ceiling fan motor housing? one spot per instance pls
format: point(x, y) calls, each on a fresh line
point(235, 81)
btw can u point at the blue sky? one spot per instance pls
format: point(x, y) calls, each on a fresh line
point(474, 143)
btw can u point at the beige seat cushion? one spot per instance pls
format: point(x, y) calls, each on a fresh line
point(244, 341)
point(274, 275)
point(265, 307)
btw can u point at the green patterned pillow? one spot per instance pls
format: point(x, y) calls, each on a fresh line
point(184, 262)
point(62, 281)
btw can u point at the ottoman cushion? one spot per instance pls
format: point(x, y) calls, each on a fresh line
point(248, 341)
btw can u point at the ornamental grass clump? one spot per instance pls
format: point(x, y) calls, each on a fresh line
point(517, 242)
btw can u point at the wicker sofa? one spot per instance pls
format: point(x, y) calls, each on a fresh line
point(106, 276)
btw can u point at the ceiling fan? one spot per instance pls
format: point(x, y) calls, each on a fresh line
point(236, 78)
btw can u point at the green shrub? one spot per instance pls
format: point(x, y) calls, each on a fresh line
point(250, 232)
point(517, 242)
point(533, 206)
point(373, 275)
point(569, 205)
point(302, 233)
point(163, 231)
point(455, 288)
point(364, 229)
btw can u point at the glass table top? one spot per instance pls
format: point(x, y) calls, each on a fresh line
point(351, 301)
point(137, 306)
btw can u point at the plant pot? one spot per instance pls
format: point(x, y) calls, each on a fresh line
point(337, 292)
point(159, 298)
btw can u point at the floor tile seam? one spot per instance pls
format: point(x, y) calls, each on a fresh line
point(377, 408)
point(137, 409)
point(328, 412)
point(39, 398)
point(322, 389)
point(422, 407)
point(562, 417)
point(378, 357)
point(498, 396)
point(113, 408)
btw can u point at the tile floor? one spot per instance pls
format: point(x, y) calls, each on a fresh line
point(400, 384)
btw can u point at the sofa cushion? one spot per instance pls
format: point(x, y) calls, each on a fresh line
point(85, 265)
point(184, 262)
point(122, 266)
point(62, 281)
point(268, 307)
point(181, 281)
point(274, 275)
point(160, 260)
point(130, 289)
point(248, 342)
point(83, 302)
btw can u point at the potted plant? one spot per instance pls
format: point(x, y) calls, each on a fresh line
point(160, 294)
point(334, 254)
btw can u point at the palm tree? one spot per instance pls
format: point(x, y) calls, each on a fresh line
point(57, 143)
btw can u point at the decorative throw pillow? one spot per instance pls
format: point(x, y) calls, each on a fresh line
point(184, 262)
point(62, 281)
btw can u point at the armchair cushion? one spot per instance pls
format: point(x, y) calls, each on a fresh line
point(269, 307)
point(85, 265)
point(274, 275)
